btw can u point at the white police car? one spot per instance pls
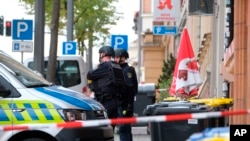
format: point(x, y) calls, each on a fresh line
point(26, 99)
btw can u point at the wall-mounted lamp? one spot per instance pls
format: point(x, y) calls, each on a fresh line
point(225, 88)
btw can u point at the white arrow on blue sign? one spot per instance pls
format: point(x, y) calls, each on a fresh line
point(164, 30)
point(119, 41)
point(69, 48)
point(22, 29)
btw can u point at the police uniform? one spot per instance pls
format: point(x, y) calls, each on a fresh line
point(126, 108)
point(106, 83)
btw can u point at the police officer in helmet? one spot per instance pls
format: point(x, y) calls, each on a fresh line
point(126, 109)
point(106, 81)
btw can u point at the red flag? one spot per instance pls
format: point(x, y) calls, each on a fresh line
point(186, 79)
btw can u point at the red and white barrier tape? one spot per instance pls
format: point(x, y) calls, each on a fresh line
point(144, 119)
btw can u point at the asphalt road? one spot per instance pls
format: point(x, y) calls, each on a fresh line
point(139, 134)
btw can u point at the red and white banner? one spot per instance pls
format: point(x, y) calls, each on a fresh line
point(166, 10)
point(145, 119)
point(186, 79)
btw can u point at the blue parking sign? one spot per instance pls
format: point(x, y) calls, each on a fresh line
point(69, 48)
point(22, 29)
point(119, 41)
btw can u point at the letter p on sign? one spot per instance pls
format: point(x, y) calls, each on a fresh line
point(69, 48)
point(119, 41)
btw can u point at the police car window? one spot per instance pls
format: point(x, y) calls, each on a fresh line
point(69, 73)
point(23, 74)
point(5, 85)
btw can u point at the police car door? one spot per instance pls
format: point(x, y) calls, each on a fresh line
point(5, 103)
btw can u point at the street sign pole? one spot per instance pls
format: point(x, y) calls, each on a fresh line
point(22, 56)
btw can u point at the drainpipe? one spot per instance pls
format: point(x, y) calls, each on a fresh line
point(139, 41)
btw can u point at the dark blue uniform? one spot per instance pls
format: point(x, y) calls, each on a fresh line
point(127, 103)
point(106, 84)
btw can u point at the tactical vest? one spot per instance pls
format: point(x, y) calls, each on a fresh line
point(114, 77)
point(117, 74)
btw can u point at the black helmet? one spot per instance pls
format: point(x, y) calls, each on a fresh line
point(108, 50)
point(120, 52)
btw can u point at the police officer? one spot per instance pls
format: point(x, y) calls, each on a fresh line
point(126, 109)
point(106, 81)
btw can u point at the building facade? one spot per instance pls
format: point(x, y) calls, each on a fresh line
point(221, 43)
point(235, 66)
point(152, 50)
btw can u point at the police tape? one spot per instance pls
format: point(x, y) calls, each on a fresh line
point(132, 120)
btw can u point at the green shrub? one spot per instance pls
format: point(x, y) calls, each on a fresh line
point(165, 80)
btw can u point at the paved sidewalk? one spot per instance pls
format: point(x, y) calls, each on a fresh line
point(139, 134)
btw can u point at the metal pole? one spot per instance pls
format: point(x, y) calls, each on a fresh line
point(39, 36)
point(70, 17)
point(22, 57)
point(139, 41)
point(199, 41)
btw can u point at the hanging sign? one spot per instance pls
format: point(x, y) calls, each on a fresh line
point(166, 10)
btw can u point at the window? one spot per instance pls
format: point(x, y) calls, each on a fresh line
point(24, 75)
point(5, 85)
point(67, 72)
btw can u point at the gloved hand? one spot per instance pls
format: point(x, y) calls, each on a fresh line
point(129, 112)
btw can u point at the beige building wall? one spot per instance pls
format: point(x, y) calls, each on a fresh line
point(153, 57)
point(204, 59)
point(198, 26)
point(153, 52)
